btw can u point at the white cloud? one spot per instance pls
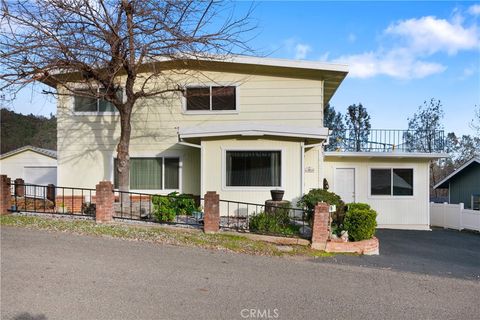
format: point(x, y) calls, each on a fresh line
point(395, 63)
point(408, 45)
point(428, 35)
point(474, 10)
point(301, 50)
point(324, 57)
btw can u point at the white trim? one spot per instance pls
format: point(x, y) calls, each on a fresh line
point(466, 164)
point(251, 129)
point(163, 155)
point(202, 169)
point(391, 196)
point(302, 168)
point(252, 188)
point(210, 85)
point(420, 227)
point(399, 155)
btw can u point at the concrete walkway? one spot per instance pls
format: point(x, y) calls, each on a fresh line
point(62, 276)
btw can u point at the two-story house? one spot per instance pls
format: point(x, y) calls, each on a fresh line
point(242, 127)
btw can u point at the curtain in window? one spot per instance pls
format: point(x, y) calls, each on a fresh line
point(172, 166)
point(146, 173)
point(253, 168)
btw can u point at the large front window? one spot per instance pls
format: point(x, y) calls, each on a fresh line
point(388, 182)
point(152, 173)
point(253, 169)
point(83, 102)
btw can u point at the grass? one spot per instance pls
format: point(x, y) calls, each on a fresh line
point(160, 234)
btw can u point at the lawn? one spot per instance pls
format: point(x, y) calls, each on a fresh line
point(160, 234)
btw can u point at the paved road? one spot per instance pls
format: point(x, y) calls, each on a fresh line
point(439, 252)
point(63, 276)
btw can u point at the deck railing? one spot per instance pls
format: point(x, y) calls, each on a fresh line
point(382, 140)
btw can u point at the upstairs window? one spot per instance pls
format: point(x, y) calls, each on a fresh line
point(391, 182)
point(84, 103)
point(212, 98)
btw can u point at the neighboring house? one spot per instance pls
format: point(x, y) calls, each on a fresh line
point(242, 127)
point(34, 165)
point(463, 185)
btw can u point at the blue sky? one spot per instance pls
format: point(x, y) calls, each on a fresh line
point(399, 53)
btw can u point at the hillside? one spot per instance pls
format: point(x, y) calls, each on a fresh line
point(18, 130)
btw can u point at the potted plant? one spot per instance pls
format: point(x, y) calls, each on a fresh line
point(61, 208)
point(277, 195)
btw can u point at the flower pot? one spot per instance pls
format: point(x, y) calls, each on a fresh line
point(277, 195)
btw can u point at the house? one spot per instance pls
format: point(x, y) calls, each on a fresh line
point(33, 165)
point(463, 185)
point(241, 127)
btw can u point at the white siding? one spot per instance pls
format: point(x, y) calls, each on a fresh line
point(403, 212)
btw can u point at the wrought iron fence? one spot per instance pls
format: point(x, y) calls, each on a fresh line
point(169, 209)
point(380, 140)
point(52, 199)
point(264, 219)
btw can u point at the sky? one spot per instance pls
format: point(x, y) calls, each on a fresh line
point(399, 54)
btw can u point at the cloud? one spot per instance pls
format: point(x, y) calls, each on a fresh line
point(408, 45)
point(395, 63)
point(324, 57)
point(474, 10)
point(351, 37)
point(428, 35)
point(301, 50)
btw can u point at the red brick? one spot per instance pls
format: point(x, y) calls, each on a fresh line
point(5, 194)
point(211, 216)
point(320, 226)
point(104, 198)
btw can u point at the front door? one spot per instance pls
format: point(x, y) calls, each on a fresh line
point(345, 184)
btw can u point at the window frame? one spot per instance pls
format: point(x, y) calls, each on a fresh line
point(94, 113)
point(391, 195)
point(210, 85)
point(163, 156)
point(253, 188)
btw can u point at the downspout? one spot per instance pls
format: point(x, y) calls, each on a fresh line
point(302, 168)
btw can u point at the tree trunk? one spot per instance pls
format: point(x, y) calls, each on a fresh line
point(123, 156)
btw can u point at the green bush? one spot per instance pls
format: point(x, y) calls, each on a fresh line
point(166, 208)
point(277, 222)
point(360, 221)
point(314, 196)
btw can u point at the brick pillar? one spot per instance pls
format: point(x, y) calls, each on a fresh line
point(5, 195)
point(19, 187)
point(104, 202)
point(51, 192)
point(320, 226)
point(211, 217)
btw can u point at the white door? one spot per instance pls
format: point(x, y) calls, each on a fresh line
point(345, 184)
point(39, 176)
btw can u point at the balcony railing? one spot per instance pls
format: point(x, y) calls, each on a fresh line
point(380, 140)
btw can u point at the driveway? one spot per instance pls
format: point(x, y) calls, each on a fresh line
point(438, 252)
point(62, 276)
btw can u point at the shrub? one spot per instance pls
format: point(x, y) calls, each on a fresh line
point(275, 222)
point(314, 196)
point(166, 208)
point(360, 221)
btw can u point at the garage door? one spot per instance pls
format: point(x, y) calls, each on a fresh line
point(40, 175)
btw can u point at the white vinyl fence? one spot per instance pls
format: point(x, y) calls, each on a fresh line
point(454, 216)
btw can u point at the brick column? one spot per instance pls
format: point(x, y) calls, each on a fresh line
point(19, 187)
point(211, 217)
point(104, 202)
point(5, 195)
point(320, 226)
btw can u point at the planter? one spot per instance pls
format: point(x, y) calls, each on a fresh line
point(277, 195)
point(61, 210)
point(197, 215)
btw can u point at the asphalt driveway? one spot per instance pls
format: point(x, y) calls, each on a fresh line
point(438, 252)
point(54, 275)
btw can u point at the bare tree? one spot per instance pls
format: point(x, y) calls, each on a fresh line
point(95, 42)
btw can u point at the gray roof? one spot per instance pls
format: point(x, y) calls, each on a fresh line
point(45, 152)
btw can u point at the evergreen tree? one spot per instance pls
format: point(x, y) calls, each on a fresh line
point(357, 120)
point(333, 120)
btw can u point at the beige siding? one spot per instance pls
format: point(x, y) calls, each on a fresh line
point(214, 169)
point(87, 143)
point(393, 212)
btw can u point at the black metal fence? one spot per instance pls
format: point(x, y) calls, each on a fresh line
point(52, 199)
point(264, 219)
point(380, 140)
